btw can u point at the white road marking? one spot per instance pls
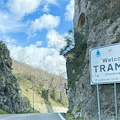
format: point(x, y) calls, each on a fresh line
point(61, 116)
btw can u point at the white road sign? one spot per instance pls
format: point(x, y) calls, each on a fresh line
point(62, 86)
point(105, 64)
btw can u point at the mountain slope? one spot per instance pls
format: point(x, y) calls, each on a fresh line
point(45, 86)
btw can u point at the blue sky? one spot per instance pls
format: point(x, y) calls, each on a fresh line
point(34, 31)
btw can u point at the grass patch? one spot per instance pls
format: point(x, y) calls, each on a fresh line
point(3, 112)
point(42, 97)
point(79, 107)
point(70, 116)
point(27, 90)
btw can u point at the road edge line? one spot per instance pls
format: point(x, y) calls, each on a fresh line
point(61, 116)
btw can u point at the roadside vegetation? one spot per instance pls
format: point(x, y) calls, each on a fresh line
point(70, 116)
point(3, 112)
point(75, 55)
point(40, 87)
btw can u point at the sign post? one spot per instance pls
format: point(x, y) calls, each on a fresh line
point(115, 92)
point(105, 69)
point(98, 97)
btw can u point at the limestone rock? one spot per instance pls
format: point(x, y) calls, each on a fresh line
point(10, 93)
point(96, 23)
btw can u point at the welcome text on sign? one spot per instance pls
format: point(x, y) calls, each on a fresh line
point(109, 67)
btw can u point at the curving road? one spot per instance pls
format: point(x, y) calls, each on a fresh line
point(33, 116)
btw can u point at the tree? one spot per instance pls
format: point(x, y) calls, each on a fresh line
point(69, 38)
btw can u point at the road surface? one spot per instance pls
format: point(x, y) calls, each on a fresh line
point(33, 116)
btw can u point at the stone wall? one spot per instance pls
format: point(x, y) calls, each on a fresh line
point(96, 23)
point(10, 93)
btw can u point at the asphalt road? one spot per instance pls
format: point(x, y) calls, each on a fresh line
point(33, 116)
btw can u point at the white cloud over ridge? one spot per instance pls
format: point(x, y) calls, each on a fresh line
point(31, 54)
point(56, 64)
point(46, 58)
point(46, 21)
point(69, 11)
point(35, 55)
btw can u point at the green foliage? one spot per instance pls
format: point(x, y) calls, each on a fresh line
point(26, 104)
point(77, 63)
point(45, 94)
point(27, 108)
point(39, 90)
point(69, 42)
point(79, 107)
point(70, 116)
point(27, 90)
point(69, 111)
point(18, 76)
point(3, 112)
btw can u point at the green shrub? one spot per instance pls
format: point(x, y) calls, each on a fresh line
point(18, 76)
point(3, 112)
point(45, 94)
point(77, 63)
point(39, 90)
point(70, 116)
point(26, 90)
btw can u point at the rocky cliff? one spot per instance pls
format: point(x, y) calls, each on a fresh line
point(96, 23)
point(10, 93)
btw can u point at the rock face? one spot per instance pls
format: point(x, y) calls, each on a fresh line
point(96, 23)
point(10, 93)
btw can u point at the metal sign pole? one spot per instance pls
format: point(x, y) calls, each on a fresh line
point(115, 93)
point(98, 97)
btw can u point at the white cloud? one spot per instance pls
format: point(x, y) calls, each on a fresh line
point(11, 19)
point(9, 24)
point(47, 3)
point(55, 2)
point(69, 11)
point(7, 40)
point(46, 21)
point(55, 64)
point(22, 7)
point(46, 8)
point(42, 57)
point(39, 43)
point(31, 55)
point(55, 40)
